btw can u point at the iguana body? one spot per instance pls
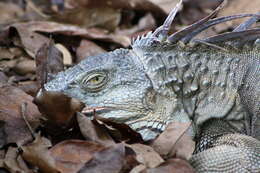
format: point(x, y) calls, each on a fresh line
point(213, 83)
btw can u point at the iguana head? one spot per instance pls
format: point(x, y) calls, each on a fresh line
point(113, 81)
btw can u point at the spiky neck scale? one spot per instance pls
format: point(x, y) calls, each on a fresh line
point(188, 80)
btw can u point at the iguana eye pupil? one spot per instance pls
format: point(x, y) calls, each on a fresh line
point(94, 82)
point(96, 79)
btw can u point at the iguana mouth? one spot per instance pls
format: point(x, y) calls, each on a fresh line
point(113, 114)
point(90, 112)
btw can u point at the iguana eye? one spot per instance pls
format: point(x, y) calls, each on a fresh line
point(94, 82)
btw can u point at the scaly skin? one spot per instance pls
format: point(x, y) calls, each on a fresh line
point(161, 80)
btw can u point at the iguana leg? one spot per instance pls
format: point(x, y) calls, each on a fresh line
point(211, 131)
point(226, 151)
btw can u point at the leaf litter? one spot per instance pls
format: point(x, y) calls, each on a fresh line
point(52, 133)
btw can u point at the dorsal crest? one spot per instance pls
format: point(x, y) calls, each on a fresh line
point(151, 48)
point(188, 34)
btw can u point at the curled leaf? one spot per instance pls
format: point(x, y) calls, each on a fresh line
point(174, 141)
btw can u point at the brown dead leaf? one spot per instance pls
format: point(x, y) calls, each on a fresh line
point(173, 166)
point(71, 155)
point(6, 54)
point(11, 99)
point(49, 61)
point(3, 136)
point(94, 131)
point(64, 29)
point(27, 38)
point(174, 141)
point(204, 4)
point(166, 5)
point(146, 155)
point(142, 5)
point(87, 48)
point(130, 160)
point(4, 38)
point(10, 12)
point(25, 66)
point(37, 153)
point(237, 7)
point(145, 24)
point(2, 156)
point(13, 161)
point(67, 58)
point(29, 87)
point(110, 160)
point(65, 157)
point(56, 107)
point(191, 14)
point(139, 169)
point(3, 78)
point(121, 131)
point(104, 17)
point(8, 64)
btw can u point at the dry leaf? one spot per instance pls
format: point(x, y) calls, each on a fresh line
point(110, 160)
point(130, 160)
point(67, 58)
point(142, 5)
point(25, 66)
point(71, 155)
point(146, 155)
point(145, 24)
point(237, 7)
point(3, 135)
point(174, 141)
point(94, 131)
point(28, 36)
point(11, 99)
point(121, 131)
point(49, 61)
point(166, 5)
point(37, 153)
point(56, 107)
point(104, 17)
point(87, 48)
point(14, 163)
point(29, 87)
point(2, 156)
point(3, 78)
point(10, 12)
point(173, 166)
point(138, 169)
point(29, 40)
point(6, 54)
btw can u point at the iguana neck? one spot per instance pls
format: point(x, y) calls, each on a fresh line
point(189, 77)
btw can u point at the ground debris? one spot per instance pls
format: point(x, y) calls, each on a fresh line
point(52, 134)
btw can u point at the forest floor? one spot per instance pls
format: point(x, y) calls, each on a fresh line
point(39, 36)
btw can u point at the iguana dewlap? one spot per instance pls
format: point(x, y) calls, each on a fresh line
point(213, 83)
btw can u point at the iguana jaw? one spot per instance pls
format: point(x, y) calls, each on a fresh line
point(143, 123)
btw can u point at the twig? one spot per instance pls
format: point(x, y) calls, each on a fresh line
point(23, 111)
point(34, 8)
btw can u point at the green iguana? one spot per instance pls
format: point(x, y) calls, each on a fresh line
point(212, 82)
